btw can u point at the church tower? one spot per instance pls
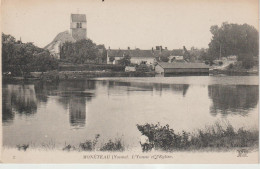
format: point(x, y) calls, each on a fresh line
point(78, 26)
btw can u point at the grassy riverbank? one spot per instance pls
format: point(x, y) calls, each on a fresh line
point(214, 137)
point(217, 138)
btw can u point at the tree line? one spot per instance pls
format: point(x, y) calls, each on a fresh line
point(234, 39)
point(83, 51)
point(22, 58)
point(228, 39)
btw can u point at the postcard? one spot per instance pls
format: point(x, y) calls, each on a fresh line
point(130, 82)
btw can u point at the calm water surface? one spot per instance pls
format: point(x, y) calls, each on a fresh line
point(73, 111)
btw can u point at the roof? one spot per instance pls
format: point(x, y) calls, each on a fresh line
point(78, 17)
point(166, 65)
point(60, 38)
point(132, 53)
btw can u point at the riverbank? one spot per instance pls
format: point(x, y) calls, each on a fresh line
point(137, 157)
point(233, 72)
point(77, 75)
point(216, 138)
point(233, 69)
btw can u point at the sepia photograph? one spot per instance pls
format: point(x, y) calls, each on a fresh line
point(130, 81)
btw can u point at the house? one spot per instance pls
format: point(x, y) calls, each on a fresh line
point(181, 68)
point(137, 56)
point(130, 69)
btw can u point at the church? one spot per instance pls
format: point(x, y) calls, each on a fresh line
point(78, 31)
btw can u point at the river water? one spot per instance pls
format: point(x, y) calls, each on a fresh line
point(69, 112)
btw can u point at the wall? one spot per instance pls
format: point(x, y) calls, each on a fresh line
point(138, 60)
point(187, 70)
point(159, 69)
point(74, 24)
point(79, 33)
point(130, 69)
point(115, 61)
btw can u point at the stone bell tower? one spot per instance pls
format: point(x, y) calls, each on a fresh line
point(78, 26)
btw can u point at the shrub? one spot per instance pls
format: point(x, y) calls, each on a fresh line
point(230, 66)
point(215, 136)
point(117, 145)
point(89, 145)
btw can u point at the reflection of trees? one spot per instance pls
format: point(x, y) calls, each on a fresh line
point(77, 85)
point(44, 89)
point(235, 99)
point(21, 98)
point(7, 113)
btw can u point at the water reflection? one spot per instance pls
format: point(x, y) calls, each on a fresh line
point(24, 99)
point(43, 90)
point(74, 96)
point(159, 87)
point(7, 113)
point(56, 109)
point(232, 99)
point(21, 98)
point(77, 109)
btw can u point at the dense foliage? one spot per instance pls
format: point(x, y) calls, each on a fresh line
point(234, 39)
point(83, 51)
point(22, 58)
point(215, 136)
point(125, 61)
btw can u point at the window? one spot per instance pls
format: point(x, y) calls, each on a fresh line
point(79, 25)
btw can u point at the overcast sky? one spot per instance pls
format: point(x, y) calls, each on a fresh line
point(122, 23)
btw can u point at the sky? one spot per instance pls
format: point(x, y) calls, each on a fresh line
point(123, 23)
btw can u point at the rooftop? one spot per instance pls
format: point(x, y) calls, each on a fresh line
point(78, 17)
point(166, 65)
point(132, 53)
point(138, 52)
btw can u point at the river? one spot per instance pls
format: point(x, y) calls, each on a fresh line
point(69, 112)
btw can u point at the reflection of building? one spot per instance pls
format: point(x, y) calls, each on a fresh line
point(77, 109)
point(146, 87)
point(74, 95)
point(235, 99)
point(183, 88)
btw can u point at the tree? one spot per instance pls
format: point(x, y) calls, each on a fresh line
point(44, 62)
point(247, 60)
point(82, 51)
point(125, 61)
point(164, 59)
point(102, 53)
point(234, 39)
point(22, 58)
point(186, 54)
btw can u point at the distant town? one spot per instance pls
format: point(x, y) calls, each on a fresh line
point(71, 51)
